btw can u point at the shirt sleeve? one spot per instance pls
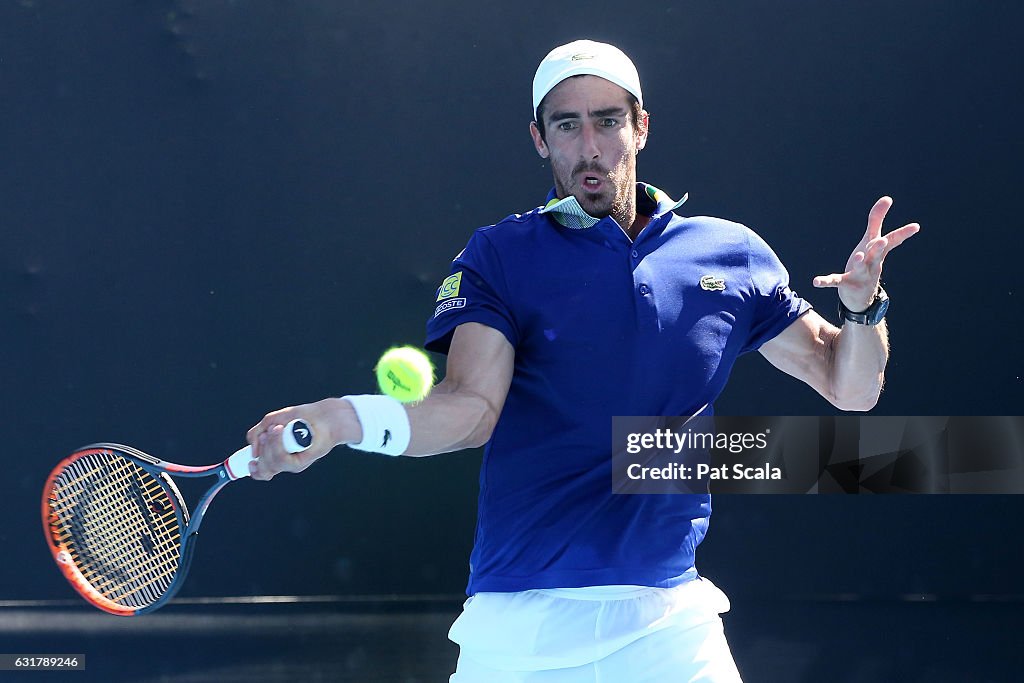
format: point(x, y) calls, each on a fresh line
point(474, 291)
point(776, 306)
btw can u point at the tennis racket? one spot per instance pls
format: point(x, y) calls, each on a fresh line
point(118, 527)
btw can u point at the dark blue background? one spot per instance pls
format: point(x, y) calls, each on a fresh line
point(213, 209)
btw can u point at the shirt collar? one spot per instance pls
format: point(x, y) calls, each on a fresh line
point(650, 201)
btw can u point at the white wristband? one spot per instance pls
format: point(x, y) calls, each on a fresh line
point(385, 424)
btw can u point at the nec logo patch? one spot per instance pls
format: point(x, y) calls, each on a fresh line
point(450, 287)
point(712, 283)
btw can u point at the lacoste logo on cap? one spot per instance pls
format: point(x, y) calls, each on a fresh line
point(712, 283)
point(582, 55)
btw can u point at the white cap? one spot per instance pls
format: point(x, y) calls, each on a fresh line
point(585, 57)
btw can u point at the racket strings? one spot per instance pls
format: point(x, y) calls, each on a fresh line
point(110, 543)
point(129, 536)
point(107, 525)
point(119, 526)
point(85, 533)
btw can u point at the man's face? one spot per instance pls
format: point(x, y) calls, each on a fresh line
point(592, 144)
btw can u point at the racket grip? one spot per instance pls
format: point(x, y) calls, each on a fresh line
point(296, 437)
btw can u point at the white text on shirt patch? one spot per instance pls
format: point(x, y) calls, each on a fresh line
point(712, 283)
point(450, 305)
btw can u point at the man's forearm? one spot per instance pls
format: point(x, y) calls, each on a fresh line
point(857, 365)
point(450, 421)
point(447, 420)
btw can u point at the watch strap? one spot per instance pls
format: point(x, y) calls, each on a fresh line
point(872, 315)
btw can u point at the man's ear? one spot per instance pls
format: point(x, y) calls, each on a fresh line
point(643, 127)
point(538, 141)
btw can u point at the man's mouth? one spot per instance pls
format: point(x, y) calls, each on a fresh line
point(592, 182)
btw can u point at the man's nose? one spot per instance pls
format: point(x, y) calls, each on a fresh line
point(590, 148)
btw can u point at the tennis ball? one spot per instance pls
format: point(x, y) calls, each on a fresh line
point(405, 373)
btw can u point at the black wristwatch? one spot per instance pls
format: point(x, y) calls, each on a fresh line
point(872, 315)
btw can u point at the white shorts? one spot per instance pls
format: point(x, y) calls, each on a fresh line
point(598, 634)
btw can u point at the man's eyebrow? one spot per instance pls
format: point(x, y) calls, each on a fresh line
point(563, 115)
point(597, 114)
point(610, 111)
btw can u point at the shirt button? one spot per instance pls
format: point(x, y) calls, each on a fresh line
point(644, 290)
point(635, 253)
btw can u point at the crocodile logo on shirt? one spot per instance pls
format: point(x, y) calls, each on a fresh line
point(712, 283)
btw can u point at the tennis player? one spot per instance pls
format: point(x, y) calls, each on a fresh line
point(602, 301)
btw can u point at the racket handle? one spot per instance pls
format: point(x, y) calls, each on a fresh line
point(296, 437)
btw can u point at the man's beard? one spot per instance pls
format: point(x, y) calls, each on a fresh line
point(619, 202)
point(617, 207)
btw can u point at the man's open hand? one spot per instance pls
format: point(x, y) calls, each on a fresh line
point(858, 285)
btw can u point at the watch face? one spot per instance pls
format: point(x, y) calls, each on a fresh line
point(878, 310)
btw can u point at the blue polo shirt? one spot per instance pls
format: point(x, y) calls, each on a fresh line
point(602, 326)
